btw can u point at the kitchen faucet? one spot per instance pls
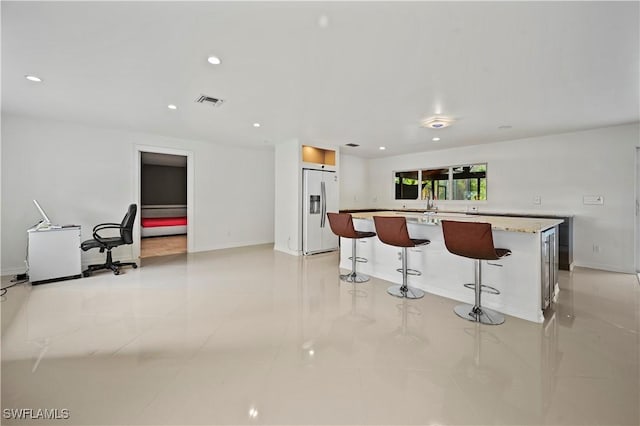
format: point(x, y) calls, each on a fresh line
point(431, 205)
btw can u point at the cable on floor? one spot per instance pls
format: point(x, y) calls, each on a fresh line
point(15, 282)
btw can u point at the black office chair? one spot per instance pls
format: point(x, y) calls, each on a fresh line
point(107, 243)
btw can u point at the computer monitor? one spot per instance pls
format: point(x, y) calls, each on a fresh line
point(45, 218)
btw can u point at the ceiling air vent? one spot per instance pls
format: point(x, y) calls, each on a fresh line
point(352, 144)
point(204, 99)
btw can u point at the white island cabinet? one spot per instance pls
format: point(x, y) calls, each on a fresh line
point(527, 279)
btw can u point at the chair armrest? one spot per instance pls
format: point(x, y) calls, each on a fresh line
point(102, 226)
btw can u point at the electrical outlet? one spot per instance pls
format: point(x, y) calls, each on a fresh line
point(593, 199)
point(472, 209)
point(537, 200)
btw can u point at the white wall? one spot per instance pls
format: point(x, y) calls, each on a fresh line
point(85, 175)
point(287, 197)
point(561, 169)
point(354, 183)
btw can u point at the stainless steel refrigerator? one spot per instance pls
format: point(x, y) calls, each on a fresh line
point(320, 195)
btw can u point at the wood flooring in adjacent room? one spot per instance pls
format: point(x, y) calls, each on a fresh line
point(162, 246)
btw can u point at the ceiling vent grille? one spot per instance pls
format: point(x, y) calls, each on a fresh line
point(204, 99)
point(352, 145)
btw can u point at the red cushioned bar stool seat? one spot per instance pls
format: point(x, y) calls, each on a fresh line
point(342, 225)
point(393, 231)
point(474, 240)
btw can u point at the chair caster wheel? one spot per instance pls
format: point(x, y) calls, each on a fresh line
point(86, 274)
point(116, 272)
point(135, 266)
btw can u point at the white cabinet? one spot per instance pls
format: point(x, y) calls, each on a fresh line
point(54, 253)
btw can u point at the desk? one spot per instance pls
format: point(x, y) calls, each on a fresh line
point(54, 253)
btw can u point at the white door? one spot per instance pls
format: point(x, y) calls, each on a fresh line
point(331, 188)
point(312, 211)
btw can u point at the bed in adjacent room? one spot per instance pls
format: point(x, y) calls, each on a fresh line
point(162, 220)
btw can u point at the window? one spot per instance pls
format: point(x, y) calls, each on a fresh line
point(406, 184)
point(434, 184)
point(466, 182)
point(469, 182)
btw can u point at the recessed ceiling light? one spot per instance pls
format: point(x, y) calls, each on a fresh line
point(435, 139)
point(323, 21)
point(504, 127)
point(172, 106)
point(33, 78)
point(382, 148)
point(256, 124)
point(214, 60)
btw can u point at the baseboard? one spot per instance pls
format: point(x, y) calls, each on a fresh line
point(231, 245)
point(605, 267)
point(15, 270)
point(286, 250)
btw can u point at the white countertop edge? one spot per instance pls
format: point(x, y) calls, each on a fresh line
point(498, 223)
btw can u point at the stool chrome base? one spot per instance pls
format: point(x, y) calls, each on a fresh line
point(481, 315)
point(354, 277)
point(406, 292)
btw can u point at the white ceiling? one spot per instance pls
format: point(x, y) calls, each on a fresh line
point(369, 76)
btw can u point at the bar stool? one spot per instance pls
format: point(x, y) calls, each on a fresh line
point(393, 231)
point(342, 225)
point(475, 241)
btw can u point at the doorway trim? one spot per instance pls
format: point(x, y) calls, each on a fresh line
point(637, 212)
point(137, 196)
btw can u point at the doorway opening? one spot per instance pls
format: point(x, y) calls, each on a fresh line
point(164, 187)
point(163, 208)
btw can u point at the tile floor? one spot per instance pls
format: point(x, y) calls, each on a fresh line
point(253, 336)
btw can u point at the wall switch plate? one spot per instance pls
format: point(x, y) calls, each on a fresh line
point(537, 199)
point(593, 199)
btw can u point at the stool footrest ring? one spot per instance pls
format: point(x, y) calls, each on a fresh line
point(483, 288)
point(411, 272)
point(360, 259)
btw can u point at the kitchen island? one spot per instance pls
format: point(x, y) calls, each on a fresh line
point(527, 279)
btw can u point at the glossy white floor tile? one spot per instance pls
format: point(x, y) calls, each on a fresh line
point(253, 336)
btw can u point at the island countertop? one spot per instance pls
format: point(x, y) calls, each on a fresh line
point(498, 223)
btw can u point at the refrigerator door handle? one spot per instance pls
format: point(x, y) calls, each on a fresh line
point(323, 210)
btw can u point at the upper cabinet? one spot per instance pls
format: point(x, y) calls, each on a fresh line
point(312, 154)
